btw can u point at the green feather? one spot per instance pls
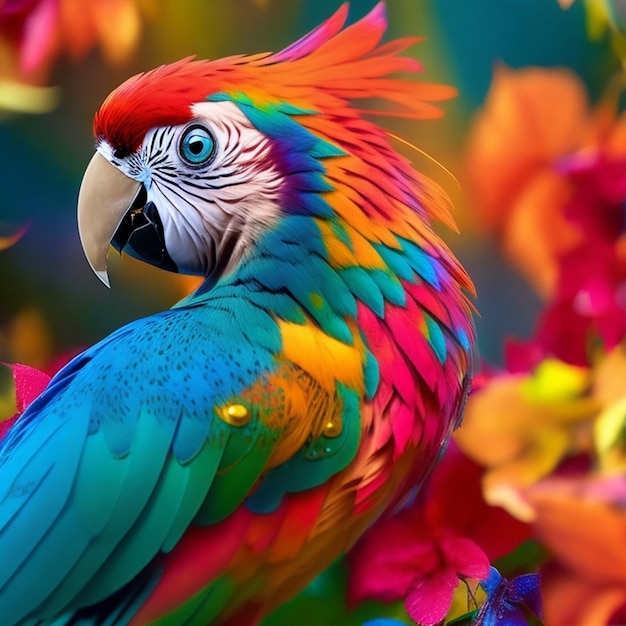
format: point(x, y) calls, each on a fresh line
point(230, 487)
point(315, 462)
point(207, 603)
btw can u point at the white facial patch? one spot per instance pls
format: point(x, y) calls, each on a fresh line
point(208, 208)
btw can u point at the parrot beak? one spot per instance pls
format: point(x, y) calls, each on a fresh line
point(114, 209)
point(106, 195)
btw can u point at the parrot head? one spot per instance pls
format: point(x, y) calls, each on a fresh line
point(182, 189)
point(197, 159)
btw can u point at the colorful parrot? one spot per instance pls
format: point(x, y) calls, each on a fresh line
point(202, 465)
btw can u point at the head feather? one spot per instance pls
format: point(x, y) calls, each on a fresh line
point(330, 69)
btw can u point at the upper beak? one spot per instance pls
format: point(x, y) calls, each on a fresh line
point(105, 196)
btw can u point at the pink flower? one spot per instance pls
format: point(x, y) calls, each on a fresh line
point(588, 305)
point(29, 383)
point(421, 553)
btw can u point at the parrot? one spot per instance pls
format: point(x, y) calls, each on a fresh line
point(204, 464)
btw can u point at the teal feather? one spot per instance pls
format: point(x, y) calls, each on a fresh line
point(397, 262)
point(294, 241)
point(340, 231)
point(205, 466)
point(42, 482)
point(54, 555)
point(230, 488)
point(371, 374)
point(97, 460)
point(436, 338)
point(390, 287)
point(291, 261)
point(363, 286)
point(312, 203)
point(421, 262)
point(105, 565)
point(131, 467)
point(147, 535)
point(463, 338)
point(191, 429)
point(326, 150)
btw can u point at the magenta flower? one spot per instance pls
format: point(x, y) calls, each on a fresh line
point(589, 303)
point(422, 552)
point(29, 383)
point(406, 557)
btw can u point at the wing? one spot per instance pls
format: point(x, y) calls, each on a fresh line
point(170, 421)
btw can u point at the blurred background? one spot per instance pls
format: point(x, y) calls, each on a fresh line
point(50, 301)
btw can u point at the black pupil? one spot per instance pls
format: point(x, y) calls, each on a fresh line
point(195, 146)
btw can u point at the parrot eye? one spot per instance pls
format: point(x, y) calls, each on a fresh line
point(197, 145)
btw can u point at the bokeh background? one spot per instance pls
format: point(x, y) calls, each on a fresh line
point(49, 299)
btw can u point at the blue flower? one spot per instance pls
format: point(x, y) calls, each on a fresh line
point(509, 603)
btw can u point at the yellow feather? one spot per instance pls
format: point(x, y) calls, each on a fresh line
point(326, 359)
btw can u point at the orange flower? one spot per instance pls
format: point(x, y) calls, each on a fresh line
point(583, 524)
point(532, 120)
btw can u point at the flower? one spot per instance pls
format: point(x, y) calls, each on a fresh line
point(521, 427)
point(561, 187)
point(406, 557)
point(29, 383)
point(508, 602)
point(529, 120)
point(421, 552)
point(34, 34)
point(553, 444)
point(582, 520)
point(589, 301)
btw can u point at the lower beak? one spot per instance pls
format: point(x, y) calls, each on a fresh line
point(105, 197)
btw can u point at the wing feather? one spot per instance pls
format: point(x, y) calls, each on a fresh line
point(130, 446)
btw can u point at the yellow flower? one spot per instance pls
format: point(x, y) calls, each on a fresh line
point(520, 427)
point(610, 425)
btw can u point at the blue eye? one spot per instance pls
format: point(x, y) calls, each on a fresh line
point(197, 145)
